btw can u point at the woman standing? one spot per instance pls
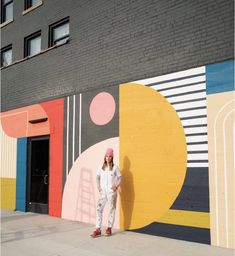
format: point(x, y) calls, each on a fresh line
point(108, 179)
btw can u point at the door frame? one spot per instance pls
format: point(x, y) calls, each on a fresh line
point(31, 206)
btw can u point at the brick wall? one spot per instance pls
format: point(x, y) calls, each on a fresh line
point(111, 42)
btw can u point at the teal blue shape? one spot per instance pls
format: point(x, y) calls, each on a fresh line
point(21, 175)
point(220, 77)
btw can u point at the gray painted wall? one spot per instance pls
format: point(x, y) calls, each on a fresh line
point(111, 42)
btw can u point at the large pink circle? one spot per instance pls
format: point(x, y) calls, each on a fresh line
point(102, 108)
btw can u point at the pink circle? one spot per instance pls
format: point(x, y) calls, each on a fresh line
point(102, 108)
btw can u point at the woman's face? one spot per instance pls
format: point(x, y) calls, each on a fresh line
point(108, 159)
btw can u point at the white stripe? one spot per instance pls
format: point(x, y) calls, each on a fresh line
point(188, 72)
point(197, 147)
point(194, 104)
point(197, 164)
point(191, 96)
point(74, 102)
point(195, 121)
point(200, 156)
point(191, 88)
point(80, 123)
point(195, 112)
point(226, 178)
point(216, 172)
point(198, 138)
point(67, 140)
point(195, 130)
point(186, 81)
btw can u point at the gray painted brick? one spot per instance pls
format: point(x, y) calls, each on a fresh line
point(111, 42)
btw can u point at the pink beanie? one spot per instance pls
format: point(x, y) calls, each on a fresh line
point(109, 152)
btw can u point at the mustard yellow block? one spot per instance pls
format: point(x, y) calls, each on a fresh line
point(153, 155)
point(8, 193)
point(186, 218)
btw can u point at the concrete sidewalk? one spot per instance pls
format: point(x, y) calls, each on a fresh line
point(29, 234)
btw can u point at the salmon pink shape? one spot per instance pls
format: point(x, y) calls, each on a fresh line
point(102, 108)
point(80, 194)
point(16, 123)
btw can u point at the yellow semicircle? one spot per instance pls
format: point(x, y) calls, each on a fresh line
point(153, 155)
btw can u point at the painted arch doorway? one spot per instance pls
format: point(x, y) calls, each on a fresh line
point(38, 174)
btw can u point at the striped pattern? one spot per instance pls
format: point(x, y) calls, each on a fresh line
point(80, 132)
point(221, 116)
point(8, 155)
point(72, 134)
point(8, 171)
point(186, 91)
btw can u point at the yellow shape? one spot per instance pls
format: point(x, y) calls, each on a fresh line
point(8, 193)
point(153, 155)
point(186, 218)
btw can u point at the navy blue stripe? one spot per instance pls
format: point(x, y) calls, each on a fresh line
point(176, 79)
point(192, 117)
point(196, 125)
point(196, 134)
point(186, 101)
point(180, 86)
point(197, 143)
point(186, 109)
point(192, 234)
point(185, 93)
point(197, 161)
point(197, 152)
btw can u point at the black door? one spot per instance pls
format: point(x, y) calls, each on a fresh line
point(38, 174)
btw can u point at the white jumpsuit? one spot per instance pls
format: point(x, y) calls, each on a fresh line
point(107, 179)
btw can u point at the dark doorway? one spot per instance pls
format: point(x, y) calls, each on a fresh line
point(38, 174)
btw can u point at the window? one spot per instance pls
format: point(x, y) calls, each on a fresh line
point(31, 3)
point(6, 10)
point(59, 32)
point(6, 56)
point(32, 44)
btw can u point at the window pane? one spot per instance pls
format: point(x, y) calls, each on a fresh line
point(61, 31)
point(7, 57)
point(36, 2)
point(9, 12)
point(35, 45)
point(6, 1)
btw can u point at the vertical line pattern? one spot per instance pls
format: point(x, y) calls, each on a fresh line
point(73, 140)
point(216, 172)
point(80, 123)
point(225, 179)
point(67, 139)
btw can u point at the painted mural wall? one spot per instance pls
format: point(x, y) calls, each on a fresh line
point(173, 138)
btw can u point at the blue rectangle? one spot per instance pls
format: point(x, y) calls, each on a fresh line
point(220, 77)
point(21, 174)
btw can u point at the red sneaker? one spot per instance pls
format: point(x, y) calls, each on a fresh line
point(108, 232)
point(96, 233)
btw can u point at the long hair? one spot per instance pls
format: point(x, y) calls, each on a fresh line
point(105, 164)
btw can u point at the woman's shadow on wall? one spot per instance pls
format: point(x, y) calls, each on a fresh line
point(127, 194)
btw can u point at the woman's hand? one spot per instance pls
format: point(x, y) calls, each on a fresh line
point(114, 188)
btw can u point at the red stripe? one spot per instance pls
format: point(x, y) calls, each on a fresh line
point(55, 112)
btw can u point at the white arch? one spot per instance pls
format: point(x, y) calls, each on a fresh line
point(216, 170)
point(225, 177)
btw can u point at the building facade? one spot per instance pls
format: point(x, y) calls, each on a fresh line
point(152, 79)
